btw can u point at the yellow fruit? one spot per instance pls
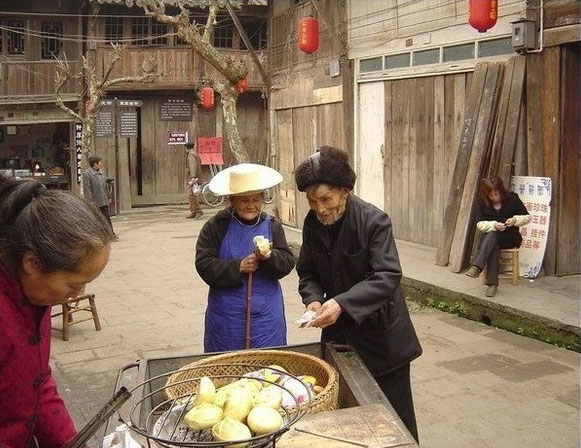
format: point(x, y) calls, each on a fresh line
point(206, 391)
point(269, 396)
point(203, 416)
point(263, 420)
point(230, 429)
point(238, 404)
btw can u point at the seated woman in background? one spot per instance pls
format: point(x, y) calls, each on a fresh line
point(500, 214)
point(52, 243)
point(227, 260)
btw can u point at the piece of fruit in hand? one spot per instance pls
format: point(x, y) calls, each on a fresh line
point(263, 245)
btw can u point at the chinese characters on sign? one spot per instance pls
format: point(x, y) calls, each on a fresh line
point(176, 109)
point(210, 150)
point(535, 192)
point(177, 138)
point(79, 149)
point(128, 123)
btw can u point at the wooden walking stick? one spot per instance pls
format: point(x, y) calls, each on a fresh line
point(248, 308)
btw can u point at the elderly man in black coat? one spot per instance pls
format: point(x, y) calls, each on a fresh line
point(350, 275)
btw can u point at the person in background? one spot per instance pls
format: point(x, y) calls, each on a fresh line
point(226, 259)
point(95, 188)
point(52, 243)
point(349, 274)
point(500, 214)
point(194, 169)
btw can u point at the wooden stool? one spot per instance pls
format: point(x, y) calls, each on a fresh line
point(74, 306)
point(508, 265)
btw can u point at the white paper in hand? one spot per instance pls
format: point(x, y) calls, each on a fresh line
point(306, 319)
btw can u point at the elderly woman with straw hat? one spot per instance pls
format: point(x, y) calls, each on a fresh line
point(241, 254)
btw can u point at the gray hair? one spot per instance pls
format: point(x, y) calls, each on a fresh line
point(61, 228)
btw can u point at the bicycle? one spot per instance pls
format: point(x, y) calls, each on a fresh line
point(207, 195)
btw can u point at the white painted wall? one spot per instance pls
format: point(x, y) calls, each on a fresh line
point(370, 143)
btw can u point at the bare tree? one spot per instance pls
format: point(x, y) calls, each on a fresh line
point(233, 70)
point(96, 89)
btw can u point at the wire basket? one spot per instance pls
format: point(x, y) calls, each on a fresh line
point(159, 419)
point(294, 363)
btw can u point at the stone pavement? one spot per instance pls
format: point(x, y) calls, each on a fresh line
point(474, 386)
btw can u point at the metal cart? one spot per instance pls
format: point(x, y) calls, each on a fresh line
point(364, 418)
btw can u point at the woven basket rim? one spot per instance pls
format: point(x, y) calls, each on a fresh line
point(328, 394)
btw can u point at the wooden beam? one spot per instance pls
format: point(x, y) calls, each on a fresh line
point(506, 158)
point(460, 167)
point(246, 41)
point(465, 228)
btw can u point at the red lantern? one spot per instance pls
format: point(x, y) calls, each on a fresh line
point(308, 34)
point(241, 85)
point(207, 97)
point(482, 14)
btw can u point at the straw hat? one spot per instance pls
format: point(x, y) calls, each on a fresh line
point(245, 178)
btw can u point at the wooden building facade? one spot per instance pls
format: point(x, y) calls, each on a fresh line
point(33, 133)
point(409, 83)
point(145, 168)
point(154, 170)
point(307, 104)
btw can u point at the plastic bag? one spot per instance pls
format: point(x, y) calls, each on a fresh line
point(121, 438)
point(196, 188)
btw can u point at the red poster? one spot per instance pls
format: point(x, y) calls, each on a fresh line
point(210, 150)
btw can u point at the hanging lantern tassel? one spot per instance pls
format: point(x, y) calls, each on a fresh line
point(308, 34)
point(207, 98)
point(241, 85)
point(482, 14)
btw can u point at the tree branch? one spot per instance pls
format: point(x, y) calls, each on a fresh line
point(63, 74)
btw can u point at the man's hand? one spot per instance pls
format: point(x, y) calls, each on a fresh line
point(314, 306)
point(327, 314)
point(249, 264)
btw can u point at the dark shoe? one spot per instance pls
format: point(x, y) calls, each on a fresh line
point(198, 214)
point(473, 272)
point(191, 215)
point(490, 290)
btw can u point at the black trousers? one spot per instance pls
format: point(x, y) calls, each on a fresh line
point(397, 388)
point(105, 211)
point(488, 256)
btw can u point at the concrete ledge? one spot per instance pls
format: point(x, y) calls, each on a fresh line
point(491, 313)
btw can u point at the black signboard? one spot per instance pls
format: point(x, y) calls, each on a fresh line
point(79, 149)
point(176, 109)
point(128, 124)
point(104, 123)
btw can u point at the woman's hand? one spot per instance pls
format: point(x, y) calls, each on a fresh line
point(500, 226)
point(327, 314)
point(510, 222)
point(249, 264)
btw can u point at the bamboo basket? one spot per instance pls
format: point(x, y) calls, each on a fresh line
point(186, 380)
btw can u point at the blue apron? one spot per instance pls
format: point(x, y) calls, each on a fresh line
point(225, 325)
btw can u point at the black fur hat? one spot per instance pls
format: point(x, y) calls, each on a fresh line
point(328, 165)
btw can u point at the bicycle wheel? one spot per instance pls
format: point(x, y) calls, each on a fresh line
point(269, 195)
point(210, 198)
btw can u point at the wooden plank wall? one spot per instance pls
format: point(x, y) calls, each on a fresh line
point(569, 233)
point(422, 126)
point(286, 163)
point(299, 132)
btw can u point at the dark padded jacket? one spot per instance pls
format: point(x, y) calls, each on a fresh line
point(362, 273)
